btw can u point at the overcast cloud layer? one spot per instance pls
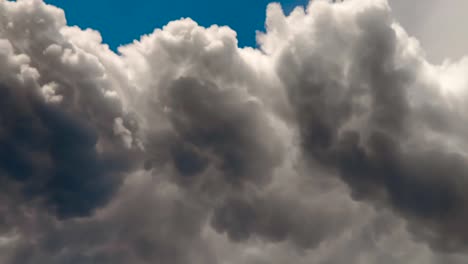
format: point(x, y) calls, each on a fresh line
point(333, 142)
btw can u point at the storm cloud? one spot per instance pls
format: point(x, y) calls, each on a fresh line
point(334, 141)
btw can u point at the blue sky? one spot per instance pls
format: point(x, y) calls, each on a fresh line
point(122, 21)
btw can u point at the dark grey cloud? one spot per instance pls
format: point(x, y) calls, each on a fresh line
point(55, 139)
point(53, 154)
point(335, 141)
point(206, 121)
point(275, 218)
point(387, 157)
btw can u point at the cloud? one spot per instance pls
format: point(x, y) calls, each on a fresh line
point(387, 154)
point(334, 141)
point(56, 106)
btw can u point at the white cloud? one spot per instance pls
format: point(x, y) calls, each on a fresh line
point(330, 143)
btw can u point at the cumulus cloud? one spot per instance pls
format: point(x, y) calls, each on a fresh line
point(335, 141)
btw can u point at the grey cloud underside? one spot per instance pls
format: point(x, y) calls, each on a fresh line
point(386, 158)
point(333, 142)
point(51, 149)
point(53, 154)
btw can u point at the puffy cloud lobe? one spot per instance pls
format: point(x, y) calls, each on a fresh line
point(319, 147)
point(207, 119)
point(276, 218)
point(53, 125)
point(358, 112)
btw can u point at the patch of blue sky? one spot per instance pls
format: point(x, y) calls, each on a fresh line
point(122, 21)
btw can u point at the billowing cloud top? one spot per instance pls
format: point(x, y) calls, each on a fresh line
point(333, 142)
